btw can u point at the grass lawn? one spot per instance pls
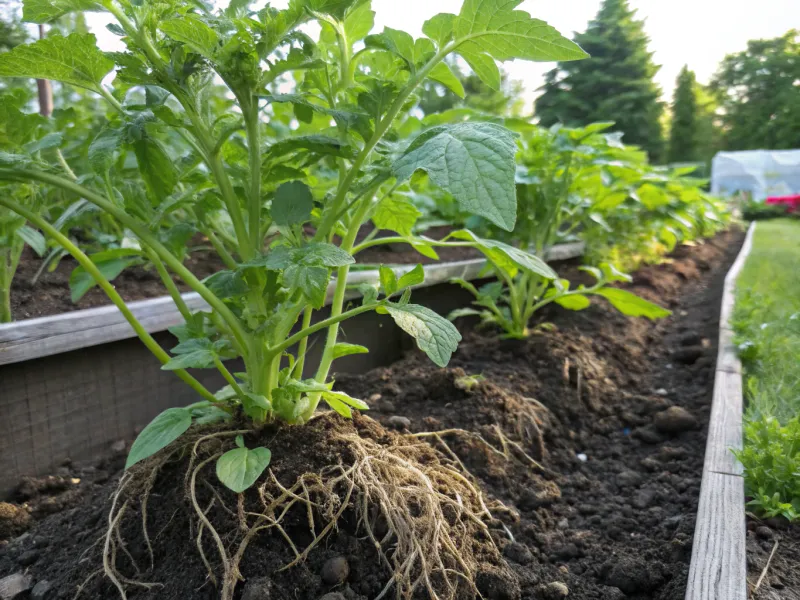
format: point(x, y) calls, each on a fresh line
point(767, 325)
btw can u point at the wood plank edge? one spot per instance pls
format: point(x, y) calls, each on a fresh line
point(718, 568)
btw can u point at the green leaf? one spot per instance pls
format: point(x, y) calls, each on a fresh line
point(318, 144)
point(312, 281)
point(74, 59)
point(292, 204)
point(444, 75)
point(51, 140)
point(506, 257)
point(240, 468)
point(396, 214)
point(226, 284)
point(485, 68)
point(44, 11)
point(632, 305)
point(199, 359)
point(160, 433)
point(359, 21)
point(440, 28)
point(110, 263)
point(193, 32)
point(397, 42)
point(344, 349)
point(329, 395)
point(33, 238)
point(103, 149)
point(436, 336)
point(493, 27)
point(414, 277)
point(156, 167)
point(473, 161)
point(256, 406)
point(573, 302)
point(388, 280)
point(322, 254)
point(344, 118)
point(368, 293)
point(336, 8)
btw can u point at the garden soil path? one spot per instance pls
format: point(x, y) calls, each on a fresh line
point(587, 440)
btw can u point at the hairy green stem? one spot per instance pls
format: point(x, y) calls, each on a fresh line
point(5, 287)
point(254, 151)
point(228, 377)
point(220, 249)
point(87, 264)
point(166, 278)
point(303, 347)
point(142, 233)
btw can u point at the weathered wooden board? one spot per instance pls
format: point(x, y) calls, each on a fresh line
point(46, 336)
point(718, 569)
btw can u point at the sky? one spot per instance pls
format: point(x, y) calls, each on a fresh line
point(695, 32)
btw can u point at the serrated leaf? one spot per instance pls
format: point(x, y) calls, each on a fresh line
point(414, 277)
point(51, 140)
point(110, 263)
point(440, 28)
point(312, 281)
point(103, 149)
point(156, 167)
point(473, 161)
point(632, 305)
point(318, 144)
point(485, 68)
point(359, 21)
point(388, 280)
point(322, 254)
point(436, 336)
point(396, 214)
point(336, 8)
point(507, 257)
point(44, 11)
point(240, 468)
point(199, 359)
point(344, 349)
point(193, 32)
point(226, 284)
point(493, 27)
point(444, 75)
point(395, 41)
point(330, 395)
point(160, 433)
point(33, 238)
point(344, 118)
point(74, 59)
point(292, 204)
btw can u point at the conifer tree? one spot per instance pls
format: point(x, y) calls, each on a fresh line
point(615, 84)
point(684, 135)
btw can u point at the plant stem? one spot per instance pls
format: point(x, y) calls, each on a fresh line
point(5, 286)
point(142, 233)
point(228, 377)
point(226, 257)
point(303, 347)
point(169, 284)
point(402, 240)
point(254, 150)
point(87, 264)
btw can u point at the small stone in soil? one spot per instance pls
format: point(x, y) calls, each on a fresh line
point(13, 586)
point(40, 590)
point(13, 520)
point(335, 570)
point(494, 584)
point(765, 533)
point(519, 553)
point(628, 479)
point(29, 557)
point(674, 420)
point(399, 422)
point(555, 590)
point(647, 435)
point(258, 589)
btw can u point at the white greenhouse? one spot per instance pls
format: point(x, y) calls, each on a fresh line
point(762, 173)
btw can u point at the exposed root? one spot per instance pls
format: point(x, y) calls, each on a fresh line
point(422, 515)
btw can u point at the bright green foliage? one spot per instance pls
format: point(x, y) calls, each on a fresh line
point(771, 460)
point(767, 325)
point(758, 94)
point(616, 84)
point(683, 135)
point(512, 301)
point(239, 468)
point(279, 184)
point(162, 431)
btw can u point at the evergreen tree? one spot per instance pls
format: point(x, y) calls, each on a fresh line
point(683, 136)
point(759, 94)
point(615, 84)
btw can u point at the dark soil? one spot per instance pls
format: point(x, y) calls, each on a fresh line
point(50, 295)
point(781, 576)
point(592, 436)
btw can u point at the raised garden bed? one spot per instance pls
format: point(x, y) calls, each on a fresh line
point(593, 440)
